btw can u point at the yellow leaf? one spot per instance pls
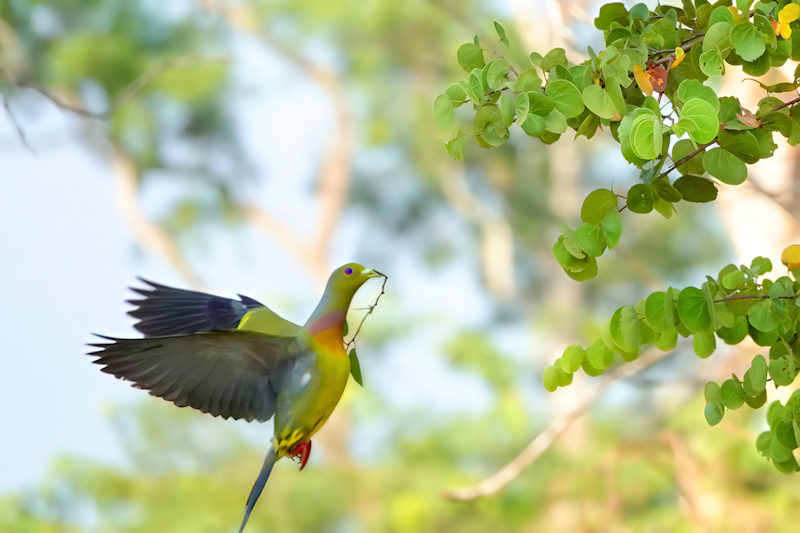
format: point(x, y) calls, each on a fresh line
point(679, 55)
point(642, 80)
point(737, 17)
point(788, 14)
point(784, 30)
point(791, 256)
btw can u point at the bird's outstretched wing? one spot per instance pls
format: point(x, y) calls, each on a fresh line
point(164, 310)
point(224, 373)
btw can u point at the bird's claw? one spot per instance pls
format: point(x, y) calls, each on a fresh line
point(301, 452)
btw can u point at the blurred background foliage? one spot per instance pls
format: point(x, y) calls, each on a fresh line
point(159, 94)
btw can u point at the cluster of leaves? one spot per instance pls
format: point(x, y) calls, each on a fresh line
point(735, 304)
point(669, 52)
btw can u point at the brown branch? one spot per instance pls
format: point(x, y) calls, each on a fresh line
point(753, 297)
point(148, 234)
point(352, 342)
point(557, 426)
point(127, 93)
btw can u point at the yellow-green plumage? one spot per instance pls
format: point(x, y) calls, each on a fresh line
point(238, 358)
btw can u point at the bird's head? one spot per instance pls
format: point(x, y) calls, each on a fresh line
point(348, 278)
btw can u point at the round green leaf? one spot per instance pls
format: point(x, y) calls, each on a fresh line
point(550, 379)
point(522, 107)
point(497, 74)
point(611, 227)
point(640, 198)
point(566, 97)
point(693, 310)
point(711, 63)
point(713, 413)
point(629, 327)
point(731, 394)
point(755, 379)
point(725, 166)
point(763, 316)
point(533, 124)
point(555, 122)
point(443, 111)
point(646, 136)
point(704, 344)
point(597, 204)
point(590, 240)
point(683, 148)
point(742, 144)
point(527, 81)
point(654, 312)
point(747, 41)
point(782, 371)
point(692, 88)
point(704, 116)
point(572, 358)
point(456, 93)
point(470, 56)
point(696, 189)
point(598, 101)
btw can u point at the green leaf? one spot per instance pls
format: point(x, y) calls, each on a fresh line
point(533, 125)
point(647, 136)
point(731, 394)
point(704, 344)
point(736, 333)
point(690, 88)
point(654, 311)
point(566, 97)
point(713, 413)
point(640, 198)
point(747, 41)
point(693, 310)
point(611, 227)
point(488, 124)
point(762, 316)
point(455, 148)
point(704, 116)
point(507, 108)
point(590, 240)
point(612, 12)
point(668, 340)
point(711, 392)
point(742, 144)
point(470, 56)
point(725, 166)
point(522, 107)
point(555, 122)
point(497, 74)
point(572, 358)
point(443, 111)
point(599, 356)
point(696, 189)
point(597, 204)
point(550, 379)
point(629, 327)
point(718, 35)
point(598, 101)
point(501, 32)
point(755, 379)
point(782, 371)
point(760, 266)
point(683, 148)
point(456, 94)
point(355, 367)
point(664, 190)
point(711, 63)
point(528, 81)
point(554, 58)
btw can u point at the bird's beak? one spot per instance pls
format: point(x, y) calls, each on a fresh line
point(369, 273)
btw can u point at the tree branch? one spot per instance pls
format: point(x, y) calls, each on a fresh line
point(557, 426)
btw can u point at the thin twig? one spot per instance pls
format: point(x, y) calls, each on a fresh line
point(557, 426)
point(17, 126)
point(352, 342)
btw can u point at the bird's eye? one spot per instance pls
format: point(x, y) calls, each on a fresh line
point(348, 271)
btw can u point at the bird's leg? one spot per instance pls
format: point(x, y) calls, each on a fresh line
point(301, 452)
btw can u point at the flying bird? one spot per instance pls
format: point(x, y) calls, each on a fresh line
point(239, 359)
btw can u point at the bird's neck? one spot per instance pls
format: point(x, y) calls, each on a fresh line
point(330, 315)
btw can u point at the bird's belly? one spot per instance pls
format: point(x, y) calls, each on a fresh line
point(312, 391)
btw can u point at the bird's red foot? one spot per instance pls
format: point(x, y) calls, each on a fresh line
point(301, 452)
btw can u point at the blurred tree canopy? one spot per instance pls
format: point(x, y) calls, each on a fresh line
point(155, 91)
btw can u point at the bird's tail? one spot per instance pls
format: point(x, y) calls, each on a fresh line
point(258, 486)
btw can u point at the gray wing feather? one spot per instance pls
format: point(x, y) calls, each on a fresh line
point(224, 373)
